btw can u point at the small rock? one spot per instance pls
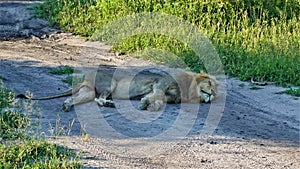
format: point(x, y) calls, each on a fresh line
point(34, 38)
point(86, 137)
point(213, 142)
point(203, 160)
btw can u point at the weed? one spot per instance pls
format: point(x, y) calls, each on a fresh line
point(6, 97)
point(73, 80)
point(241, 85)
point(292, 92)
point(36, 154)
point(12, 121)
point(67, 70)
point(12, 124)
point(61, 70)
point(19, 148)
point(68, 80)
point(59, 129)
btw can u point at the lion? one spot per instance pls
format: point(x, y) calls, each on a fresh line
point(152, 87)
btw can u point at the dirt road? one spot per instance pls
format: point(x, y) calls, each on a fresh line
point(257, 128)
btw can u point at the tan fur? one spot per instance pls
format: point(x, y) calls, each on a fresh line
point(152, 89)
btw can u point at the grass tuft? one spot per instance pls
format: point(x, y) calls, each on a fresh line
point(36, 154)
point(61, 70)
point(292, 92)
point(19, 148)
point(73, 80)
point(13, 124)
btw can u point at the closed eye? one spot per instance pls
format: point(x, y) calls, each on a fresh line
point(205, 92)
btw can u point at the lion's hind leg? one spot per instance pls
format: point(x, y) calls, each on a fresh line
point(84, 95)
point(153, 101)
point(105, 90)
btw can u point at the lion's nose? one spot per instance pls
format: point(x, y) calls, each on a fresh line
point(213, 92)
point(209, 98)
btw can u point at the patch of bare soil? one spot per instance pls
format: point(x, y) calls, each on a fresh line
point(257, 129)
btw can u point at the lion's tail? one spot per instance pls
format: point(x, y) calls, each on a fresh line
point(64, 94)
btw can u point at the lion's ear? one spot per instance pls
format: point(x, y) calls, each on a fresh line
point(200, 77)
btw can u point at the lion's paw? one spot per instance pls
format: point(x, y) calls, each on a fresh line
point(66, 107)
point(105, 103)
point(67, 104)
point(143, 104)
point(155, 106)
point(109, 103)
point(100, 101)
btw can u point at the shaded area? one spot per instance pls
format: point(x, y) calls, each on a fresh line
point(243, 117)
point(28, 76)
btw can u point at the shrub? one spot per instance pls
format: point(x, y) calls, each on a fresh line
point(255, 38)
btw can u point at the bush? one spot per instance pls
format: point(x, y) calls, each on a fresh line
point(36, 154)
point(255, 38)
point(12, 122)
point(18, 149)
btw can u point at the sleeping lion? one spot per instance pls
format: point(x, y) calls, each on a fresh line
point(153, 87)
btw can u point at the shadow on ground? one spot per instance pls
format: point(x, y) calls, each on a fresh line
point(240, 118)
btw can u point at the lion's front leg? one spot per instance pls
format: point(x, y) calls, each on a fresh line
point(84, 95)
point(150, 103)
point(156, 105)
point(144, 103)
point(68, 103)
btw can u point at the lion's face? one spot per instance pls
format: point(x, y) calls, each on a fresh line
point(207, 88)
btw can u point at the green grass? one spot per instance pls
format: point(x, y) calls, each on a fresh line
point(19, 147)
point(36, 154)
point(73, 80)
point(256, 39)
point(68, 80)
point(292, 92)
point(12, 122)
point(67, 70)
point(241, 85)
point(61, 70)
point(7, 97)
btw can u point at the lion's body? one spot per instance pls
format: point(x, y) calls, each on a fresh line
point(153, 89)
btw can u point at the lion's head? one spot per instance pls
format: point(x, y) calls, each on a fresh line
point(207, 87)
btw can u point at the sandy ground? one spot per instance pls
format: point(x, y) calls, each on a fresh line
point(255, 129)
